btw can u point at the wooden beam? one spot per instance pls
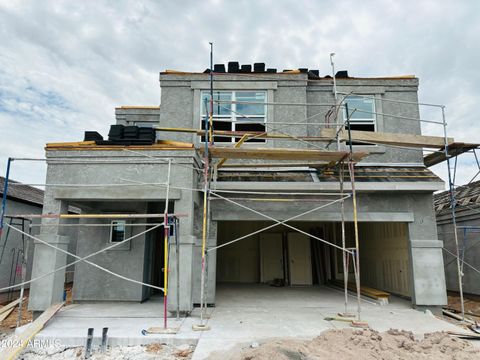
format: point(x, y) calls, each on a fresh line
point(237, 145)
point(280, 154)
point(91, 146)
point(408, 140)
point(454, 149)
point(10, 305)
point(5, 314)
point(25, 336)
point(326, 134)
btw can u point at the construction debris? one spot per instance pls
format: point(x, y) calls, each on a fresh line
point(157, 351)
point(379, 295)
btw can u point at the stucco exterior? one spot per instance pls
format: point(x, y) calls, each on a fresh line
point(408, 203)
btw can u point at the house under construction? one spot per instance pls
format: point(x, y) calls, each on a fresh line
point(298, 180)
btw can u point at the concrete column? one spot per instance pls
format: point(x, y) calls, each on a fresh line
point(187, 241)
point(426, 258)
point(49, 290)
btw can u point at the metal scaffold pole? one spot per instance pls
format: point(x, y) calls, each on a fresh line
point(345, 254)
point(206, 170)
point(166, 232)
point(356, 257)
point(453, 204)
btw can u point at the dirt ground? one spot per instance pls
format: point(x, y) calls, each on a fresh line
point(8, 325)
point(356, 344)
point(471, 304)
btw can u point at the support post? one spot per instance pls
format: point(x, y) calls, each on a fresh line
point(355, 217)
point(166, 231)
point(453, 203)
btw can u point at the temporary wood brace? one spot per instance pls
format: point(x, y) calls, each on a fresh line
point(237, 145)
point(281, 154)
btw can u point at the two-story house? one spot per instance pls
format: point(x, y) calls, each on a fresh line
point(399, 249)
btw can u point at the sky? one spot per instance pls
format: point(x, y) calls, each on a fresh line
point(66, 65)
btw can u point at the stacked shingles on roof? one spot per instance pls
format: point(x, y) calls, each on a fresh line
point(467, 196)
point(22, 192)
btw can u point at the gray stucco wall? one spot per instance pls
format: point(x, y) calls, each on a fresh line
point(467, 239)
point(14, 243)
point(180, 99)
point(134, 115)
point(91, 283)
point(105, 182)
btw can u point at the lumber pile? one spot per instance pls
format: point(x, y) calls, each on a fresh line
point(379, 295)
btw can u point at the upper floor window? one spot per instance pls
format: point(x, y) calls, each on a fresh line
point(361, 112)
point(231, 116)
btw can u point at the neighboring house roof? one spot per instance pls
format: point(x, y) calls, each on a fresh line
point(362, 174)
point(467, 196)
point(21, 192)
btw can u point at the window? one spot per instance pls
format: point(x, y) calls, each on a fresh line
point(117, 232)
point(233, 116)
point(361, 111)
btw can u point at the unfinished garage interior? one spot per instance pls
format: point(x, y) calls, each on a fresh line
point(282, 257)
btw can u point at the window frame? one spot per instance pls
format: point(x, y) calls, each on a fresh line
point(234, 116)
point(112, 222)
point(373, 121)
point(362, 121)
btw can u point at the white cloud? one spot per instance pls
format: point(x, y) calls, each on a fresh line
point(65, 65)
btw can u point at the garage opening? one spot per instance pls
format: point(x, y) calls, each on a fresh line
point(281, 256)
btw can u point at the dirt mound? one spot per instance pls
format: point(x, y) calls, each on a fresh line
point(354, 344)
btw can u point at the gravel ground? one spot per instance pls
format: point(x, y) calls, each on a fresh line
point(143, 352)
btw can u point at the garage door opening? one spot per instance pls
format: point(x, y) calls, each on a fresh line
point(282, 256)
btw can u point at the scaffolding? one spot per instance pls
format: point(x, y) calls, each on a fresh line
point(452, 153)
point(344, 160)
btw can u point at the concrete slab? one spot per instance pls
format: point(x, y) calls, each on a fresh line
point(243, 314)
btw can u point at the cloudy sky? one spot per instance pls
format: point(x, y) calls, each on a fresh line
point(65, 65)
